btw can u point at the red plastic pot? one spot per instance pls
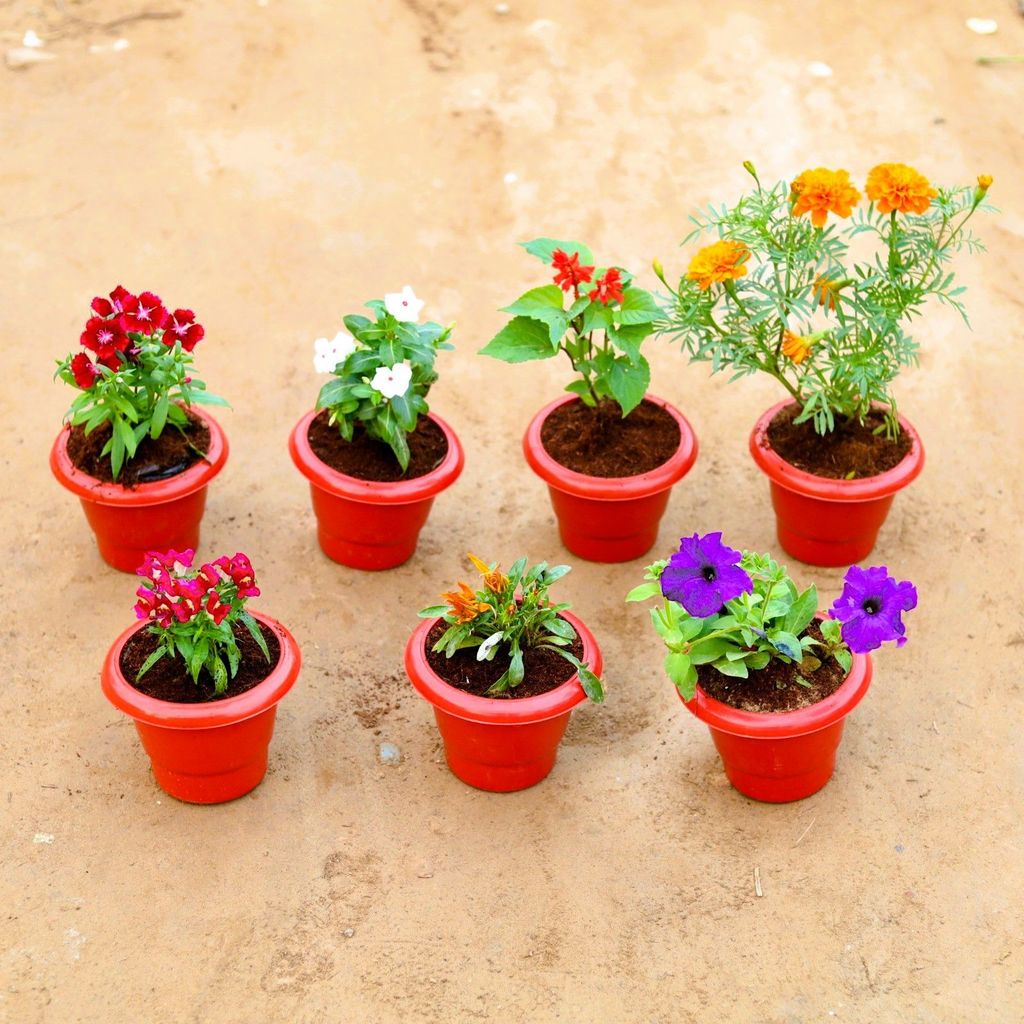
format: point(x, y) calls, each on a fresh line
point(366, 524)
point(155, 516)
point(830, 522)
point(609, 519)
point(213, 752)
point(499, 744)
point(787, 755)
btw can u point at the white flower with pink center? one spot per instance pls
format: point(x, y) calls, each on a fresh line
point(328, 354)
point(392, 382)
point(404, 305)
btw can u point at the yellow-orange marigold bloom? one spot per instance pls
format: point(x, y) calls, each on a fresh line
point(796, 347)
point(494, 579)
point(821, 192)
point(825, 291)
point(984, 182)
point(464, 605)
point(718, 262)
point(900, 188)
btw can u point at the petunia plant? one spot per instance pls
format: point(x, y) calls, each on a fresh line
point(193, 612)
point(134, 371)
point(780, 293)
point(510, 613)
point(594, 315)
point(737, 611)
point(382, 370)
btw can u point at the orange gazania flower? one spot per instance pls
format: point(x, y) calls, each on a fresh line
point(494, 579)
point(826, 291)
point(718, 262)
point(821, 192)
point(464, 605)
point(900, 188)
point(796, 347)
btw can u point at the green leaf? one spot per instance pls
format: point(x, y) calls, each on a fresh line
point(543, 248)
point(787, 644)
point(433, 611)
point(638, 307)
point(561, 628)
point(515, 668)
point(220, 675)
point(844, 657)
point(702, 653)
point(255, 632)
point(544, 304)
point(644, 592)
point(151, 661)
point(738, 669)
point(591, 684)
point(597, 316)
point(159, 416)
point(628, 383)
point(519, 341)
point(629, 339)
point(803, 611)
point(681, 671)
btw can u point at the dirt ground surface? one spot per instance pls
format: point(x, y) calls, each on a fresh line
point(272, 165)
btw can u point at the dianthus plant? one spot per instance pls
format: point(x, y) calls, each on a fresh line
point(134, 372)
point(193, 612)
point(737, 611)
point(594, 315)
point(779, 292)
point(383, 369)
point(510, 613)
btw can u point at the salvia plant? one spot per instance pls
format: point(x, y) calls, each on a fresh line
point(135, 371)
point(510, 613)
point(382, 370)
point(192, 612)
point(595, 315)
point(780, 293)
point(737, 611)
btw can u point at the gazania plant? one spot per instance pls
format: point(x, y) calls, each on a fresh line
point(382, 370)
point(134, 371)
point(507, 614)
point(593, 315)
point(780, 293)
point(193, 612)
point(737, 611)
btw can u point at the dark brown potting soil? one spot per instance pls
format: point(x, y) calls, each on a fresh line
point(776, 687)
point(599, 442)
point(852, 451)
point(170, 454)
point(169, 678)
point(366, 458)
point(544, 668)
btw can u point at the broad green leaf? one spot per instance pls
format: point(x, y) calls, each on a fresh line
point(803, 611)
point(543, 248)
point(702, 654)
point(638, 307)
point(596, 316)
point(738, 669)
point(591, 684)
point(644, 591)
point(844, 657)
point(787, 644)
point(682, 673)
point(519, 341)
point(629, 339)
point(544, 304)
point(628, 383)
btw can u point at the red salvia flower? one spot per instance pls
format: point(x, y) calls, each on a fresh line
point(608, 289)
point(107, 338)
point(84, 370)
point(181, 326)
point(569, 272)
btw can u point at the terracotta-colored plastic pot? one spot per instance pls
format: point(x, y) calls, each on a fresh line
point(155, 516)
point(787, 755)
point(212, 752)
point(366, 524)
point(499, 744)
point(830, 522)
point(609, 519)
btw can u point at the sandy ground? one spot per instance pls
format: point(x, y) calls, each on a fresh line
point(272, 165)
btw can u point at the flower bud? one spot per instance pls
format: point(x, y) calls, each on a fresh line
point(984, 183)
point(750, 169)
point(659, 271)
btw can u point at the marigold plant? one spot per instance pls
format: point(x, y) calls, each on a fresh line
point(780, 292)
point(510, 612)
point(383, 369)
point(134, 371)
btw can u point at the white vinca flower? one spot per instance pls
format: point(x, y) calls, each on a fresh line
point(485, 648)
point(392, 382)
point(404, 305)
point(327, 354)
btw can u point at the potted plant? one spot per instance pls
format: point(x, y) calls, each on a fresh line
point(609, 452)
point(503, 668)
point(135, 449)
point(374, 455)
point(752, 657)
point(781, 293)
point(201, 676)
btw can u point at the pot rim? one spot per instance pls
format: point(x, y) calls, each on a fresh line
point(787, 475)
point(491, 711)
point(212, 714)
point(619, 488)
point(157, 492)
point(375, 492)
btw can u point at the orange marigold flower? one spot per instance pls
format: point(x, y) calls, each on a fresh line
point(796, 347)
point(826, 291)
point(984, 182)
point(821, 192)
point(900, 188)
point(464, 605)
point(494, 579)
point(718, 262)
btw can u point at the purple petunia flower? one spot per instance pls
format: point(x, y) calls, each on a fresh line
point(870, 608)
point(703, 574)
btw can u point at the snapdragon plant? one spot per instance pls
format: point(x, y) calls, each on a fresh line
point(383, 369)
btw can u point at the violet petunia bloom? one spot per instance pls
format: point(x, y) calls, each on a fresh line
point(703, 574)
point(870, 608)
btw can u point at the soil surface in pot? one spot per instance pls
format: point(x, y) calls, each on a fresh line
point(599, 442)
point(776, 687)
point(170, 454)
point(366, 458)
point(544, 669)
point(169, 678)
point(852, 451)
